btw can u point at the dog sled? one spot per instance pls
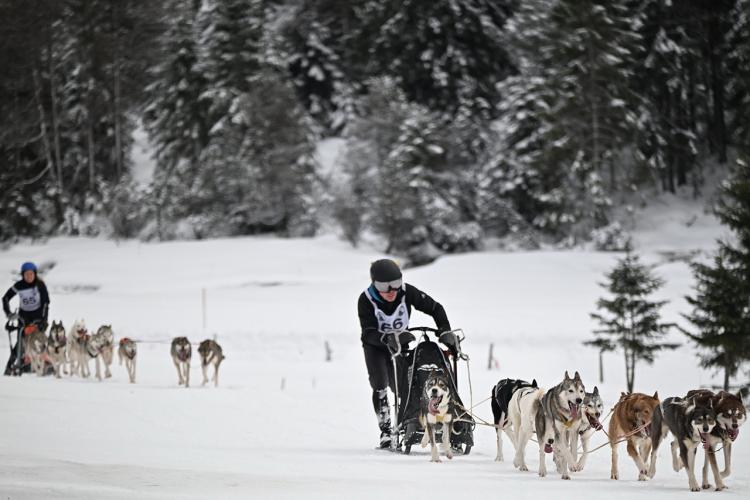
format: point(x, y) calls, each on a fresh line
point(412, 368)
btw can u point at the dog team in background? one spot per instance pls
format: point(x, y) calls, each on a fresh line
point(566, 412)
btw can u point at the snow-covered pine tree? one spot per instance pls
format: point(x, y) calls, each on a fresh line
point(575, 60)
point(630, 321)
point(721, 305)
point(720, 316)
point(445, 54)
point(176, 114)
point(738, 72)
point(230, 35)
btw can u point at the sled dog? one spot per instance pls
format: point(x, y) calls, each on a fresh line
point(77, 349)
point(631, 418)
point(559, 419)
point(523, 408)
point(127, 352)
point(211, 354)
point(592, 412)
point(501, 396)
point(690, 420)
point(57, 346)
point(436, 407)
point(730, 415)
point(181, 353)
point(101, 347)
point(35, 347)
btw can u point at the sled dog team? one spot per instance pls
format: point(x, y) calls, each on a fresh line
point(70, 353)
point(562, 415)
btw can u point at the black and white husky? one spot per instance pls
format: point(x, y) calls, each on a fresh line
point(181, 352)
point(559, 419)
point(57, 346)
point(501, 396)
point(436, 407)
point(690, 420)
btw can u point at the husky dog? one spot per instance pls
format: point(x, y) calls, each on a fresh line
point(730, 415)
point(77, 349)
point(181, 353)
point(127, 351)
point(523, 408)
point(631, 417)
point(436, 407)
point(559, 419)
point(211, 354)
point(56, 346)
point(101, 346)
point(592, 410)
point(501, 396)
point(35, 347)
point(690, 421)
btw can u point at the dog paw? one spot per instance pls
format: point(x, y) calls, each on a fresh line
point(719, 488)
point(706, 486)
point(499, 458)
point(614, 476)
point(565, 477)
point(724, 473)
point(642, 477)
point(449, 455)
point(436, 460)
point(542, 473)
point(575, 468)
point(694, 486)
point(523, 468)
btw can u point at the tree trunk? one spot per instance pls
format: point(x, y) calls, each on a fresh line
point(55, 119)
point(117, 96)
point(90, 136)
point(719, 136)
point(43, 126)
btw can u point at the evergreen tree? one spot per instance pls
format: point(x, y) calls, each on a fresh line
point(721, 315)
point(575, 111)
point(445, 54)
point(630, 321)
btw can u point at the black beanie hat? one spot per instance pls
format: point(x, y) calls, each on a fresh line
point(384, 270)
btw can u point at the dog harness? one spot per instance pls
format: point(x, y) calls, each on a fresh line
point(396, 322)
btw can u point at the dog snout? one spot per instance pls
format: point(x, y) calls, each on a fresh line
point(551, 441)
point(579, 401)
point(598, 414)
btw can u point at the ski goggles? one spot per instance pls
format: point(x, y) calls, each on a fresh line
point(388, 286)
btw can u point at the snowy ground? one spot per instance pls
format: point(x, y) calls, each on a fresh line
point(286, 424)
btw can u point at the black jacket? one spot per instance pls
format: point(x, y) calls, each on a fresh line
point(34, 293)
point(414, 298)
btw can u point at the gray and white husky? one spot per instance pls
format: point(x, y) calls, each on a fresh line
point(211, 354)
point(57, 346)
point(593, 405)
point(181, 352)
point(127, 351)
point(102, 347)
point(690, 420)
point(559, 420)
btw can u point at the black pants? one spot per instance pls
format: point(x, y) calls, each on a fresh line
point(380, 373)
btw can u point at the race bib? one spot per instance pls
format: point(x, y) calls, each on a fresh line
point(30, 299)
point(396, 322)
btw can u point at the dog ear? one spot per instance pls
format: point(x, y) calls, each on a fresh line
point(534, 384)
point(739, 395)
point(656, 395)
point(567, 377)
point(577, 376)
point(596, 391)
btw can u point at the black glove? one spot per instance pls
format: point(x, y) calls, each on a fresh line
point(450, 340)
point(389, 339)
